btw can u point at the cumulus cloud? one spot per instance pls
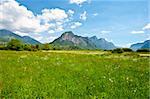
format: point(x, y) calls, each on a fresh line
point(70, 12)
point(78, 2)
point(137, 32)
point(20, 20)
point(21, 33)
point(51, 31)
point(147, 27)
point(83, 16)
point(75, 25)
point(16, 17)
point(53, 15)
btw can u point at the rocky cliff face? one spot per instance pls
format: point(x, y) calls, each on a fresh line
point(69, 39)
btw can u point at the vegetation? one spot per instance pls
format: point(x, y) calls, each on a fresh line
point(15, 44)
point(73, 75)
point(127, 50)
point(143, 50)
point(117, 50)
point(121, 50)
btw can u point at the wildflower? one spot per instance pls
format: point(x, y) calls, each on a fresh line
point(110, 80)
point(104, 77)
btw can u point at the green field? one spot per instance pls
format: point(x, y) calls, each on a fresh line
point(73, 75)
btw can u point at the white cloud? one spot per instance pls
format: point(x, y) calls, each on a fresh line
point(53, 15)
point(75, 25)
point(59, 28)
point(83, 16)
point(70, 12)
point(51, 31)
point(16, 17)
point(126, 45)
point(39, 38)
point(137, 32)
point(105, 32)
point(95, 14)
point(49, 39)
point(21, 33)
point(147, 27)
point(78, 2)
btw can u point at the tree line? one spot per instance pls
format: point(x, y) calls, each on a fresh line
point(17, 45)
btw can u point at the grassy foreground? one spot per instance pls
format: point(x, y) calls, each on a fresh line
point(73, 75)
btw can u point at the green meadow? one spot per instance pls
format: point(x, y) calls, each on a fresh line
point(74, 75)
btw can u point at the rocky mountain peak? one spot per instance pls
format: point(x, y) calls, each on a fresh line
point(93, 37)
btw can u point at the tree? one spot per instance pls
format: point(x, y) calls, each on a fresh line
point(117, 50)
point(15, 44)
point(27, 47)
point(127, 50)
point(143, 50)
point(46, 46)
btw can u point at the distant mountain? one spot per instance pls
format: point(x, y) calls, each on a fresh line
point(6, 36)
point(102, 43)
point(69, 39)
point(144, 45)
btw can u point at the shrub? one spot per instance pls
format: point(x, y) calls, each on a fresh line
point(15, 44)
point(2, 47)
point(143, 50)
point(27, 47)
point(127, 50)
point(117, 50)
point(46, 46)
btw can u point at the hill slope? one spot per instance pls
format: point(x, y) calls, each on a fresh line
point(6, 36)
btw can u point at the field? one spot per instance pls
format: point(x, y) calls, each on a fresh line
point(74, 75)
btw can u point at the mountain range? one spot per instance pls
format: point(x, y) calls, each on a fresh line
point(6, 36)
point(143, 45)
point(70, 39)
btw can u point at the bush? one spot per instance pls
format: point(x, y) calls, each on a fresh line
point(27, 47)
point(15, 44)
point(2, 47)
point(46, 46)
point(127, 50)
point(143, 50)
point(117, 50)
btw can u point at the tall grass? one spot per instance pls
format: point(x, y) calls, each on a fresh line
point(52, 75)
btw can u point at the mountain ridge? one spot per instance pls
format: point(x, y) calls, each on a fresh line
point(143, 45)
point(70, 39)
point(6, 36)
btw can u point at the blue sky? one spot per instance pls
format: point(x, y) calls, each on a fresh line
point(122, 22)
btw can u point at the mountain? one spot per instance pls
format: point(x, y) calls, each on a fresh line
point(143, 45)
point(69, 39)
point(6, 36)
point(102, 43)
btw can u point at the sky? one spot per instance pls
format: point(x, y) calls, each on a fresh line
point(123, 22)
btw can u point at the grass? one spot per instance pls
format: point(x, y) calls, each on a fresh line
point(73, 75)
